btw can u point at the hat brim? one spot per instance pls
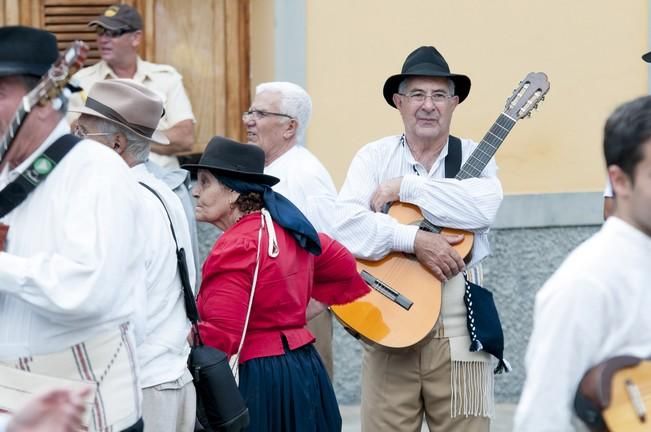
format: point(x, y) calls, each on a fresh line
point(461, 84)
point(647, 57)
point(242, 175)
point(157, 137)
point(7, 69)
point(110, 24)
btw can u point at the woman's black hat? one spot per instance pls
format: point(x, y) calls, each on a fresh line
point(230, 158)
point(26, 51)
point(426, 61)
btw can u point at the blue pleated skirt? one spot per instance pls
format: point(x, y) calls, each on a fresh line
point(289, 393)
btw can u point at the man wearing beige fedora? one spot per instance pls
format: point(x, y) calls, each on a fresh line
point(124, 115)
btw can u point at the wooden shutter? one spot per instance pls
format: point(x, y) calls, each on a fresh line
point(69, 20)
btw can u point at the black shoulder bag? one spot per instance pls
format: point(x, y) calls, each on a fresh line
point(220, 407)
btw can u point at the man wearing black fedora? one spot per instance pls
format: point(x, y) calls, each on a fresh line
point(438, 377)
point(70, 266)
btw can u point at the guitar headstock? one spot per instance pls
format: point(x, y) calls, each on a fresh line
point(52, 85)
point(527, 96)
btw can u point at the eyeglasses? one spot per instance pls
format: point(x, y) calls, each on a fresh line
point(258, 114)
point(419, 97)
point(81, 132)
point(101, 31)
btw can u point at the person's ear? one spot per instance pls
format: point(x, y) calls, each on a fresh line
point(290, 129)
point(136, 38)
point(620, 181)
point(119, 142)
point(397, 100)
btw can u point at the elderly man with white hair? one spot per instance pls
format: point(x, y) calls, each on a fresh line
point(276, 122)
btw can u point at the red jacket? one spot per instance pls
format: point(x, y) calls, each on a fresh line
point(284, 287)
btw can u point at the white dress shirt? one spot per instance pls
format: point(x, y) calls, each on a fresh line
point(470, 204)
point(307, 184)
point(596, 306)
point(73, 264)
point(164, 353)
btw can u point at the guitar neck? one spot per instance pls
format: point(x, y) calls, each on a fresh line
point(12, 130)
point(486, 148)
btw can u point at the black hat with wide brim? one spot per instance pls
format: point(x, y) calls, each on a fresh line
point(26, 51)
point(428, 62)
point(225, 157)
point(647, 57)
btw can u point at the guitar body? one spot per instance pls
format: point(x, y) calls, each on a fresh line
point(615, 396)
point(379, 320)
point(620, 416)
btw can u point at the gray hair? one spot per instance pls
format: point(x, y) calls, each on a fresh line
point(294, 101)
point(137, 146)
point(403, 86)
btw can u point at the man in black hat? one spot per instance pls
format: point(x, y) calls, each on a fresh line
point(70, 270)
point(438, 377)
point(119, 34)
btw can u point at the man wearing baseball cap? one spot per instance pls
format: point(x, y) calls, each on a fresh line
point(119, 35)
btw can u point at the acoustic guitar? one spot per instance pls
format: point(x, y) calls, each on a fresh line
point(615, 396)
point(405, 299)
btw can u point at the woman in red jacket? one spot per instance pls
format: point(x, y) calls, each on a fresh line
point(258, 280)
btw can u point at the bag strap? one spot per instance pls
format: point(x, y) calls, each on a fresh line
point(453, 159)
point(17, 191)
point(272, 251)
point(191, 310)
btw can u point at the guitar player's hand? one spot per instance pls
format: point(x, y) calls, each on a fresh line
point(435, 252)
point(387, 192)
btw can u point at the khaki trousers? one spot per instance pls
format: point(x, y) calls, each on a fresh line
point(400, 386)
point(321, 328)
point(170, 407)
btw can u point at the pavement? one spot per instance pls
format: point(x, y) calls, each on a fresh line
point(503, 421)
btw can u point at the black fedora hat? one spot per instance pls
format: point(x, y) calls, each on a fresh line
point(647, 57)
point(230, 158)
point(426, 61)
point(26, 51)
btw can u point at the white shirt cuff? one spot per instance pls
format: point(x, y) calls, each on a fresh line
point(404, 237)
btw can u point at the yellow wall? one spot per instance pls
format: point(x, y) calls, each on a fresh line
point(590, 49)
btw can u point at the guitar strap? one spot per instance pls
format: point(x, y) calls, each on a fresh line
point(16, 191)
point(453, 159)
